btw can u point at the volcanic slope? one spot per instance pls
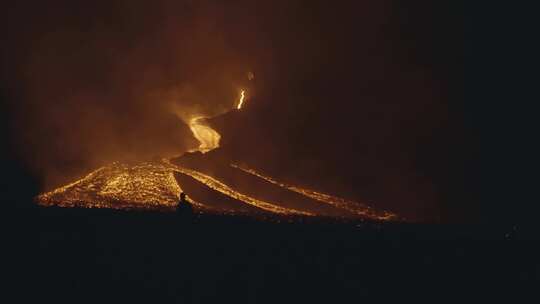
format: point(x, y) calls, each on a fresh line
point(258, 186)
point(146, 185)
point(215, 200)
point(213, 185)
point(261, 189)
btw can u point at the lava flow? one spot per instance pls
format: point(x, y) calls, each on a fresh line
point(152, 186)
point(119, 186)
point(207, 137)
point(241, 101)
point(353, 207)
point(155, 186)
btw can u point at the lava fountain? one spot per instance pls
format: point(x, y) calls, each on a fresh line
point(241, 101)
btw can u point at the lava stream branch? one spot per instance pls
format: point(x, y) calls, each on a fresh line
point(353, 207)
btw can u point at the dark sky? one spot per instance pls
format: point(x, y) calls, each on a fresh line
point(360, 98)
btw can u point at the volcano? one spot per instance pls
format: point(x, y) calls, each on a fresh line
point(214, 181)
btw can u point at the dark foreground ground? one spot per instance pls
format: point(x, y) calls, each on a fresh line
point(102, 256)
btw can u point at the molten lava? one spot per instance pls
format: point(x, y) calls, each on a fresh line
point(241, 101)
point(227, 190)
point(149, 186)
point(152, 186)
point(207, 137)
point(353, 207)
point(119, 186)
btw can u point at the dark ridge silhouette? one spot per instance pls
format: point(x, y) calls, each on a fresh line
point(185, 207)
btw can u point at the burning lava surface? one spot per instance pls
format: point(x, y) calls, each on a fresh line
point(212, 187)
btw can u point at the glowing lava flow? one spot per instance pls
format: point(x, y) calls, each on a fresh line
point(224, 189)
point(207, 137)
point(242, 97)
point(353, 207)
point(119, 186)
point(152, 186)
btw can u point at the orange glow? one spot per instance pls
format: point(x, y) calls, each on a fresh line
point(242, 97)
